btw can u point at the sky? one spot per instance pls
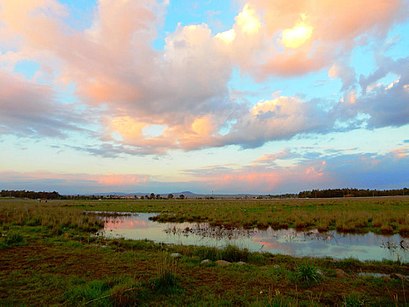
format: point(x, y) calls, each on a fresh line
point(240, 96)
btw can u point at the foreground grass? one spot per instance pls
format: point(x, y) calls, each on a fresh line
point(49, 255)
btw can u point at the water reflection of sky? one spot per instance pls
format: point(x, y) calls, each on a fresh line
point(367, 246)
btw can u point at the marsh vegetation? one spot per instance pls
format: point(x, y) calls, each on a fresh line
point(49, 254)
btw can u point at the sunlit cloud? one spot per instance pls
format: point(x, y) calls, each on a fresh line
point(247, 20)
point(227, 36)
point(297, 36)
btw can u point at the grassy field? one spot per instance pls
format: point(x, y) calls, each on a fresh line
point(50, 255)
point(386, 215)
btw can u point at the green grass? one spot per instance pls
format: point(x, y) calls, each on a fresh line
point(49, 256)
point(308, 274)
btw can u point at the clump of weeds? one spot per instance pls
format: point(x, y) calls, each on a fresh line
point(12, 239)
point(355, 299)
point(233, 254)
point(307, 274)
point(167, 280)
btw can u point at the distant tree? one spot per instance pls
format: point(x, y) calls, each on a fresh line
point(158, 196)
point(181, 196)
point(142, 197)
point(170, 196)
point(152, 196)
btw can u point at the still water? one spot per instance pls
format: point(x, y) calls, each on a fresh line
point(367, 246)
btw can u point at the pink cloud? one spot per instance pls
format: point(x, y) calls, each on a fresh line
point(261, 179)
point(318, 32)
point(184, 87)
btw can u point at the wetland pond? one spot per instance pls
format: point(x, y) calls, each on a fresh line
point(310, 243)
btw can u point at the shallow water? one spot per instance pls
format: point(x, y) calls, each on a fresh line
point(367, 246)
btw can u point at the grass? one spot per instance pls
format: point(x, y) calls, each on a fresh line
point(49, 256)
point(308, 274)
point(387, 215)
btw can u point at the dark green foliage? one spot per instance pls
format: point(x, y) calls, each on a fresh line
point(13, 239)
point(30, 194)
point(328, 193)
point(211, 253)
point(165, 282)
point(233, 254)
point(354, 300)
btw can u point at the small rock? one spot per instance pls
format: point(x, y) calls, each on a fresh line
point(175, 255)
point(223, 263)
point(206, 261)
point(241, 263)
point(340, 273)
point(276, 266)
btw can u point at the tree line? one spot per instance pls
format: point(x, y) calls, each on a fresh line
point(350, 192)
point(30, 194)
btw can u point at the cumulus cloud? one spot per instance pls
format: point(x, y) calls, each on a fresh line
point(184, 88)
point(280, 118)
point(384, 104)
point(301, 36)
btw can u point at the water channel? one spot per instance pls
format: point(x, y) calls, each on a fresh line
point(312, 243)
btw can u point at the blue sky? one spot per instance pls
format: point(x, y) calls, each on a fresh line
point(222, 96)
